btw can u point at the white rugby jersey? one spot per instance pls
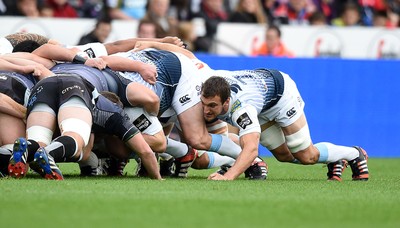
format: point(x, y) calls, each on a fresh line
point(252, 92)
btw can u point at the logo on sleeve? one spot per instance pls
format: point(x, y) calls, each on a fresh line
point(244, 120)
point(185, 99)
point(236, 105)
point(142, 123)
point(90, 53)
point(291, 112)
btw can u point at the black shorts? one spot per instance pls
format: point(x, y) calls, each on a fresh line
point(55, 91)
point(12, 87)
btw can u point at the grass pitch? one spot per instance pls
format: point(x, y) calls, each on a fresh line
point(293, 196)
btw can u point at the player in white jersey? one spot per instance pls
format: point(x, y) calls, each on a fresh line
point(206, 159)
point(278, 147)
point(268, 109)
point(179, 88)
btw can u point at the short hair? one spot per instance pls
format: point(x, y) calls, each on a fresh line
point(112, 97)
point(216, 86)
point(276, 28)
point(26, 46)
point(104, 19)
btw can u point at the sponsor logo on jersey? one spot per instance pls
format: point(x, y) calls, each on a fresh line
point(3, 77)
point(199, 65)
point(244, 120)
point(90, 53)
point(235, 88)
point(66, 90)
point(236, 105)
point(32, 100)
point(291, 112)
point(185, 99)
point(142, 123)
point(198, 89)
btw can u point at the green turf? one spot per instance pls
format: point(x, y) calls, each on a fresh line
point(293, 196)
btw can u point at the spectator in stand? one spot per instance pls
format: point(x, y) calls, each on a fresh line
point(61, 8)
point(350, 16)
point(368, 7)
point(27, 8)
point(157, 12)
point(248, 11)
point(393, 13)
point(99, 34)
point(187, 34)
point(269, 7)
point(181, 9)
point(295, 12)
point(89, 8)
point(273, 45)
point(318, 18)
point(146, 29)
point(212, 12)
point(329, 8)
point(380, 19)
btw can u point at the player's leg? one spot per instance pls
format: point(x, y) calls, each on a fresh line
point(297, 136)
point(12, 128)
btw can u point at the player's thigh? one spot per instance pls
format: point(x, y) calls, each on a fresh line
point(11, 128)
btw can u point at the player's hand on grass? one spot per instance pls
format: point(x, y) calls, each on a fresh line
point(217, 176)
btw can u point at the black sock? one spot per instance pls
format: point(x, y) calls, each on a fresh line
point(33, 146)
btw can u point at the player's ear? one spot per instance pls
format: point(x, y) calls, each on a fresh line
point(226, 103)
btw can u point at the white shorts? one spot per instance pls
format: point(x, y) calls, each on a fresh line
point(288, 109)
point(187, 93)
point(146, 123)
point(92, 50)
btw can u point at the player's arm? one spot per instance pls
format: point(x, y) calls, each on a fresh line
point(129, 44)
point(119, 63)
point(10, 107)
point(141, 45)
point(16, 63)
point(60, 53)
point(143, 150)
point(246, 119)
point(140, 95)
point(119, 124)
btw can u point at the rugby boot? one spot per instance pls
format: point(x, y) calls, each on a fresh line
point(335, 170)
point(167, 167)
point(258, 170)
point(182, 164)
point(46, 166)
point(359, 165)
point(18, 167)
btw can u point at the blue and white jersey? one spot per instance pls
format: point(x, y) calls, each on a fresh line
point(169, 73)
point(252, 93)
point(91, 74)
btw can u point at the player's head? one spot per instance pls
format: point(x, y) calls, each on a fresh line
point(26, 46)
point(112, 97)
point(215, 97)
point(146, 29)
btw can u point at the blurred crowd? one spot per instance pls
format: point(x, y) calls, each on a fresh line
point(196, 21)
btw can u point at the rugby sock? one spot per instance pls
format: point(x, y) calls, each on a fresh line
point(176, 149)
point(295, 161)
point(224, 146)
point(92, 161)
point(63, 149)
point(165, 156)
point(33, 146)
point(332, 153)
point(4, 160)
point(217, 160)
